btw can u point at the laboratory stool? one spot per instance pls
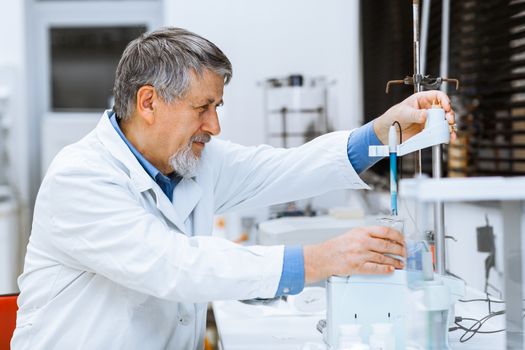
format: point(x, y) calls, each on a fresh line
point(8, 308)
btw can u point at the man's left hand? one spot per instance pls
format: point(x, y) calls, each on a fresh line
point(411, 115)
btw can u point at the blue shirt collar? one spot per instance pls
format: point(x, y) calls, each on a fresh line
point(167, 184)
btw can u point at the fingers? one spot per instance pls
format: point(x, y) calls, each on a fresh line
point(386, 233)
point(418, 116)
point(451, 119)
point(379, 264)
point(386, 240)
point(365, 250)
point(425, 99)
point(385, 260)
point(384, 246)
point(445, 101)
point(370, 268)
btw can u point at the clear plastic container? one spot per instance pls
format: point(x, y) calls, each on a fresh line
point(382, 337)
point(350, 338)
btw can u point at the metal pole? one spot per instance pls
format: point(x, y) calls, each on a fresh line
point(417, 72)
point(439, 217)
point(437, 153)
point(425, 20)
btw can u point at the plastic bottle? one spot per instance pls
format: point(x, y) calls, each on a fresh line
point(350, 338)
point(382, 337)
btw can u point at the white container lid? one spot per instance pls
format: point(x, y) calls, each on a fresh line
point(350, 329)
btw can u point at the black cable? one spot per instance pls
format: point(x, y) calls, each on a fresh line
point(488, 300)
point(476, 326)
point(467, 330)
point(473, 330)
point(471, 300)
point(463, 328)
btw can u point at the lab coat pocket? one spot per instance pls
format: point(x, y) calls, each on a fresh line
point(25, 326)
point(26, 320)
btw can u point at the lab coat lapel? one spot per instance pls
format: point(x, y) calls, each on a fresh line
point(185, 197)
point(167, 209)
point(138, 176)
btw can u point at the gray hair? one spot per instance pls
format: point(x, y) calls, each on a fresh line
point(164, 59)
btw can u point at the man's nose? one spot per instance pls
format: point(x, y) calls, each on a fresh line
point(211, 124)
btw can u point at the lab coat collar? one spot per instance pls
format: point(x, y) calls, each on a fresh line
point(187, 189)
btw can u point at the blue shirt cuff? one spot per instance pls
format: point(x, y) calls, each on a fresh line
point(357, 147)
point(292, 277)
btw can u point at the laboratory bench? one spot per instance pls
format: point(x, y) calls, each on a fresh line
point(242, 326)
point(281, 327)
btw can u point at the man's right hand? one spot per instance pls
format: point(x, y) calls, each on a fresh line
point(359, 251)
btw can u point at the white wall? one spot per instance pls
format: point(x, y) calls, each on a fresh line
point(12, 69)
point(13, 74)
point(273, 38)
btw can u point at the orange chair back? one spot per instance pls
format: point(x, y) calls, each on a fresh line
point(8, 308)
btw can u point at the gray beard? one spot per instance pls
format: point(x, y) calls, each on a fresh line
point(184, 162)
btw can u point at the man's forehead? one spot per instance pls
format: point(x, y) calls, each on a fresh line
point(205, 88)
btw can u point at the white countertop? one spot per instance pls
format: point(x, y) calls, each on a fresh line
point(243, 326)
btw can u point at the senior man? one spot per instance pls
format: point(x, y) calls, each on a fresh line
point(121, 254)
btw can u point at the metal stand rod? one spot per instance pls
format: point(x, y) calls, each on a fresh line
point(417, 70)
point(439, 217)
point(437, 154)
point(425, 20)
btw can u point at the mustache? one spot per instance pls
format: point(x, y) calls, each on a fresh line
point(204, 138)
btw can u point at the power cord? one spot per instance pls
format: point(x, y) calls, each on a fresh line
point(487, 299)
point(475, 327)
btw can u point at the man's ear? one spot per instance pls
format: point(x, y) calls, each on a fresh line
point(145, 103)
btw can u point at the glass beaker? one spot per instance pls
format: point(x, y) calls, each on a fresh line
point(397, 223)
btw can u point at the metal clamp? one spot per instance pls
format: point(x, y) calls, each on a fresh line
point(426, 81)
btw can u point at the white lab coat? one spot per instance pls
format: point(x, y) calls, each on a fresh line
point(113, 264)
